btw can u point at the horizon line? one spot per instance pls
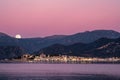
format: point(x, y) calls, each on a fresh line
point(60, 34)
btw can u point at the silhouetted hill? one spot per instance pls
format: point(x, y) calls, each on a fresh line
point(55, 49)
point(103, 47)
point(90, 36)
point(6, 40)
point(55, 37)
point(86, 37)
point(34, 44)
point(111, 49)
point(9, 52)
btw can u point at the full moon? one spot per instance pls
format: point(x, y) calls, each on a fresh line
point(18, 36)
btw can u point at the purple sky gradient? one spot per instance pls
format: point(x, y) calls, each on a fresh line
point(38, 18)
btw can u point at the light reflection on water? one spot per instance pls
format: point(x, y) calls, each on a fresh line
point(59, 72)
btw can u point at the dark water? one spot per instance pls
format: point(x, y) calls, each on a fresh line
point(59, 72)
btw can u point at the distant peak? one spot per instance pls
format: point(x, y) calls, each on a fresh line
point(55, 36)
point(98, 31)
point(3, 34)
point(102, 30)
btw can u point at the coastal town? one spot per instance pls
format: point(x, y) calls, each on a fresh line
point(42, 58)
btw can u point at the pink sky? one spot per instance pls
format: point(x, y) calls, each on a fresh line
point(38, 18)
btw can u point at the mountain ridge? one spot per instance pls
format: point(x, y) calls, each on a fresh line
point(101, 49)
point(34, 44)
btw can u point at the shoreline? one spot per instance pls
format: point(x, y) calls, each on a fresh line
point(57, 62)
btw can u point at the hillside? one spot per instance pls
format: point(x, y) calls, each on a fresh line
point(103, 47)
point(9, 52)
point(34, 44)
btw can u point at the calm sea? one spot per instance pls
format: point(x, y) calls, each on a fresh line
point(30, 71)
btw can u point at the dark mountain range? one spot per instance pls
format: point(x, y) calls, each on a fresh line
point(90, 36)
point(103, 47)
point(6, 40)
point(9, 52)
point(35, 44)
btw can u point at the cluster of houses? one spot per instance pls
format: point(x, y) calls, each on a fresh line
point(64, 58)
